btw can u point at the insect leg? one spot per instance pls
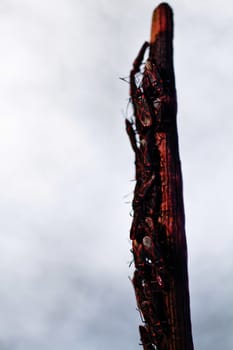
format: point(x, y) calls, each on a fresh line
point(136, 68)
point(131, 134)
point(138, 60)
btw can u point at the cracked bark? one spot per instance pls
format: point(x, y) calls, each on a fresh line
point(158, 229)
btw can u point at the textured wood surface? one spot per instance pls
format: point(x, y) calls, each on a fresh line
point(158, 229)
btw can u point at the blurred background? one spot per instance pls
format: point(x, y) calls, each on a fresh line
point(67, 169)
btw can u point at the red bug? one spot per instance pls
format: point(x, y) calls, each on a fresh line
point(141, 109)
point(149, 281)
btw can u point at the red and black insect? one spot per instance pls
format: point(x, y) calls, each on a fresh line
point(141, 109)
point(148, 94)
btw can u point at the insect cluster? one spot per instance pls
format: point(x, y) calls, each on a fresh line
point(151, 245)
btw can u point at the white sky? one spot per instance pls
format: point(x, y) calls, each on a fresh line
point(66, 166)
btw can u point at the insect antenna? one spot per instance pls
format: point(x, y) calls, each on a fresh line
point(125, 79)
point(131, 262)
point(141, 317)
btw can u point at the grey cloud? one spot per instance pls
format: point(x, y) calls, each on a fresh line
point(67, 164)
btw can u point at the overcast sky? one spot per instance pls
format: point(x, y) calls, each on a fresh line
point(67, 166)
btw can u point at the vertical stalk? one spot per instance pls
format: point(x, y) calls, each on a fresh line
point(158, 229)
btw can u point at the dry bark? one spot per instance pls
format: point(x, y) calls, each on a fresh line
point(158, 229)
